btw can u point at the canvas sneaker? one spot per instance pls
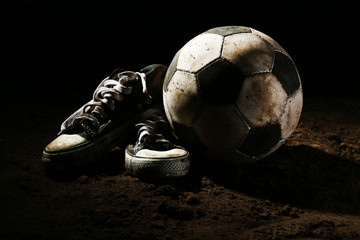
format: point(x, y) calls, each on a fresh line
point(154, 154)
point(105, 121)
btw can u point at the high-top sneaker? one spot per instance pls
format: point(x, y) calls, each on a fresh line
point(154, 154)
point(106, 121)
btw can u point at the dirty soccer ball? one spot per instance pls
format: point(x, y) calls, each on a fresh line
point(233, 93)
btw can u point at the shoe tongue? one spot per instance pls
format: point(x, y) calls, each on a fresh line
point(155, 75)
point(115, 73)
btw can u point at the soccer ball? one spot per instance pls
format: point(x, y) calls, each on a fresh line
point(233, 93)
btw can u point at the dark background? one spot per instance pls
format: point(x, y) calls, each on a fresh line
point(54, 54)
point(56, 48)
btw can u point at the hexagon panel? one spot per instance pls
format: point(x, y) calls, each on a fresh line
point(291, 115)
point(248, 52)
point(182, 100)
point(199, 51)
point(262, 99)
point(188, 138)
point(220, 127)
point(276, 45)
point(171, 70)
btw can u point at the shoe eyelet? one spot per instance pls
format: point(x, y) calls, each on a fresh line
point(148, 101)
point(139, 106)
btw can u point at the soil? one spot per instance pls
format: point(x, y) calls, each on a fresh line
point(307, 189)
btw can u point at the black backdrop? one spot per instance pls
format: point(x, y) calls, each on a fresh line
point(52, 48)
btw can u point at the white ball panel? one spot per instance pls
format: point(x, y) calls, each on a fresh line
point(166, 108)
point(220, 127)
point(270, 40)
point(182, 99)
point(261, 99)
point(291, 115)
point(200, 51)
point(248, 52)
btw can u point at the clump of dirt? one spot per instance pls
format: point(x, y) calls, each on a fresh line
point(309, 188)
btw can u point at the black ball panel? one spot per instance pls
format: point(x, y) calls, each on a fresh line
point(285, 71)
point(214, 81)
point(261, 140)
point(229, 30)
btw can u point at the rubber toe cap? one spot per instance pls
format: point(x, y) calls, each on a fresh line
point(65, 142)
point(147, 153)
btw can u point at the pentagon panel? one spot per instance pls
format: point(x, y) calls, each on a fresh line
point(220, 82)
point(285, 70)
point(249, 53)
point(171, 70)
point(182, 100)
point(261, 140)
point(291, 115)
point(262, 99)
point(199, 51)
point(220, 127)
point(229, 30)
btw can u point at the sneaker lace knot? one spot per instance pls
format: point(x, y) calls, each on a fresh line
point(151, 135)
point(106, 96)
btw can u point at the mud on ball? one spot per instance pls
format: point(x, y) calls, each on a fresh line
point(233, 93)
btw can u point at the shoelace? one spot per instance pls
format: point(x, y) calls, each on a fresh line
point(105, 96)
point(148, 131)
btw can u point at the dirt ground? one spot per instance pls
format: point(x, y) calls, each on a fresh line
point(308, 189)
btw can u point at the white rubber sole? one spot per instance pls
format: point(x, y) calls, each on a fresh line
point(157, 167)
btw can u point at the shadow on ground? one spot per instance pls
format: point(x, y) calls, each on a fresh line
point(298, 175)
point(301, 175)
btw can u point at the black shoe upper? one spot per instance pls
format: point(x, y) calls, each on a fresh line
point(117, 100)
point(154, 133)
